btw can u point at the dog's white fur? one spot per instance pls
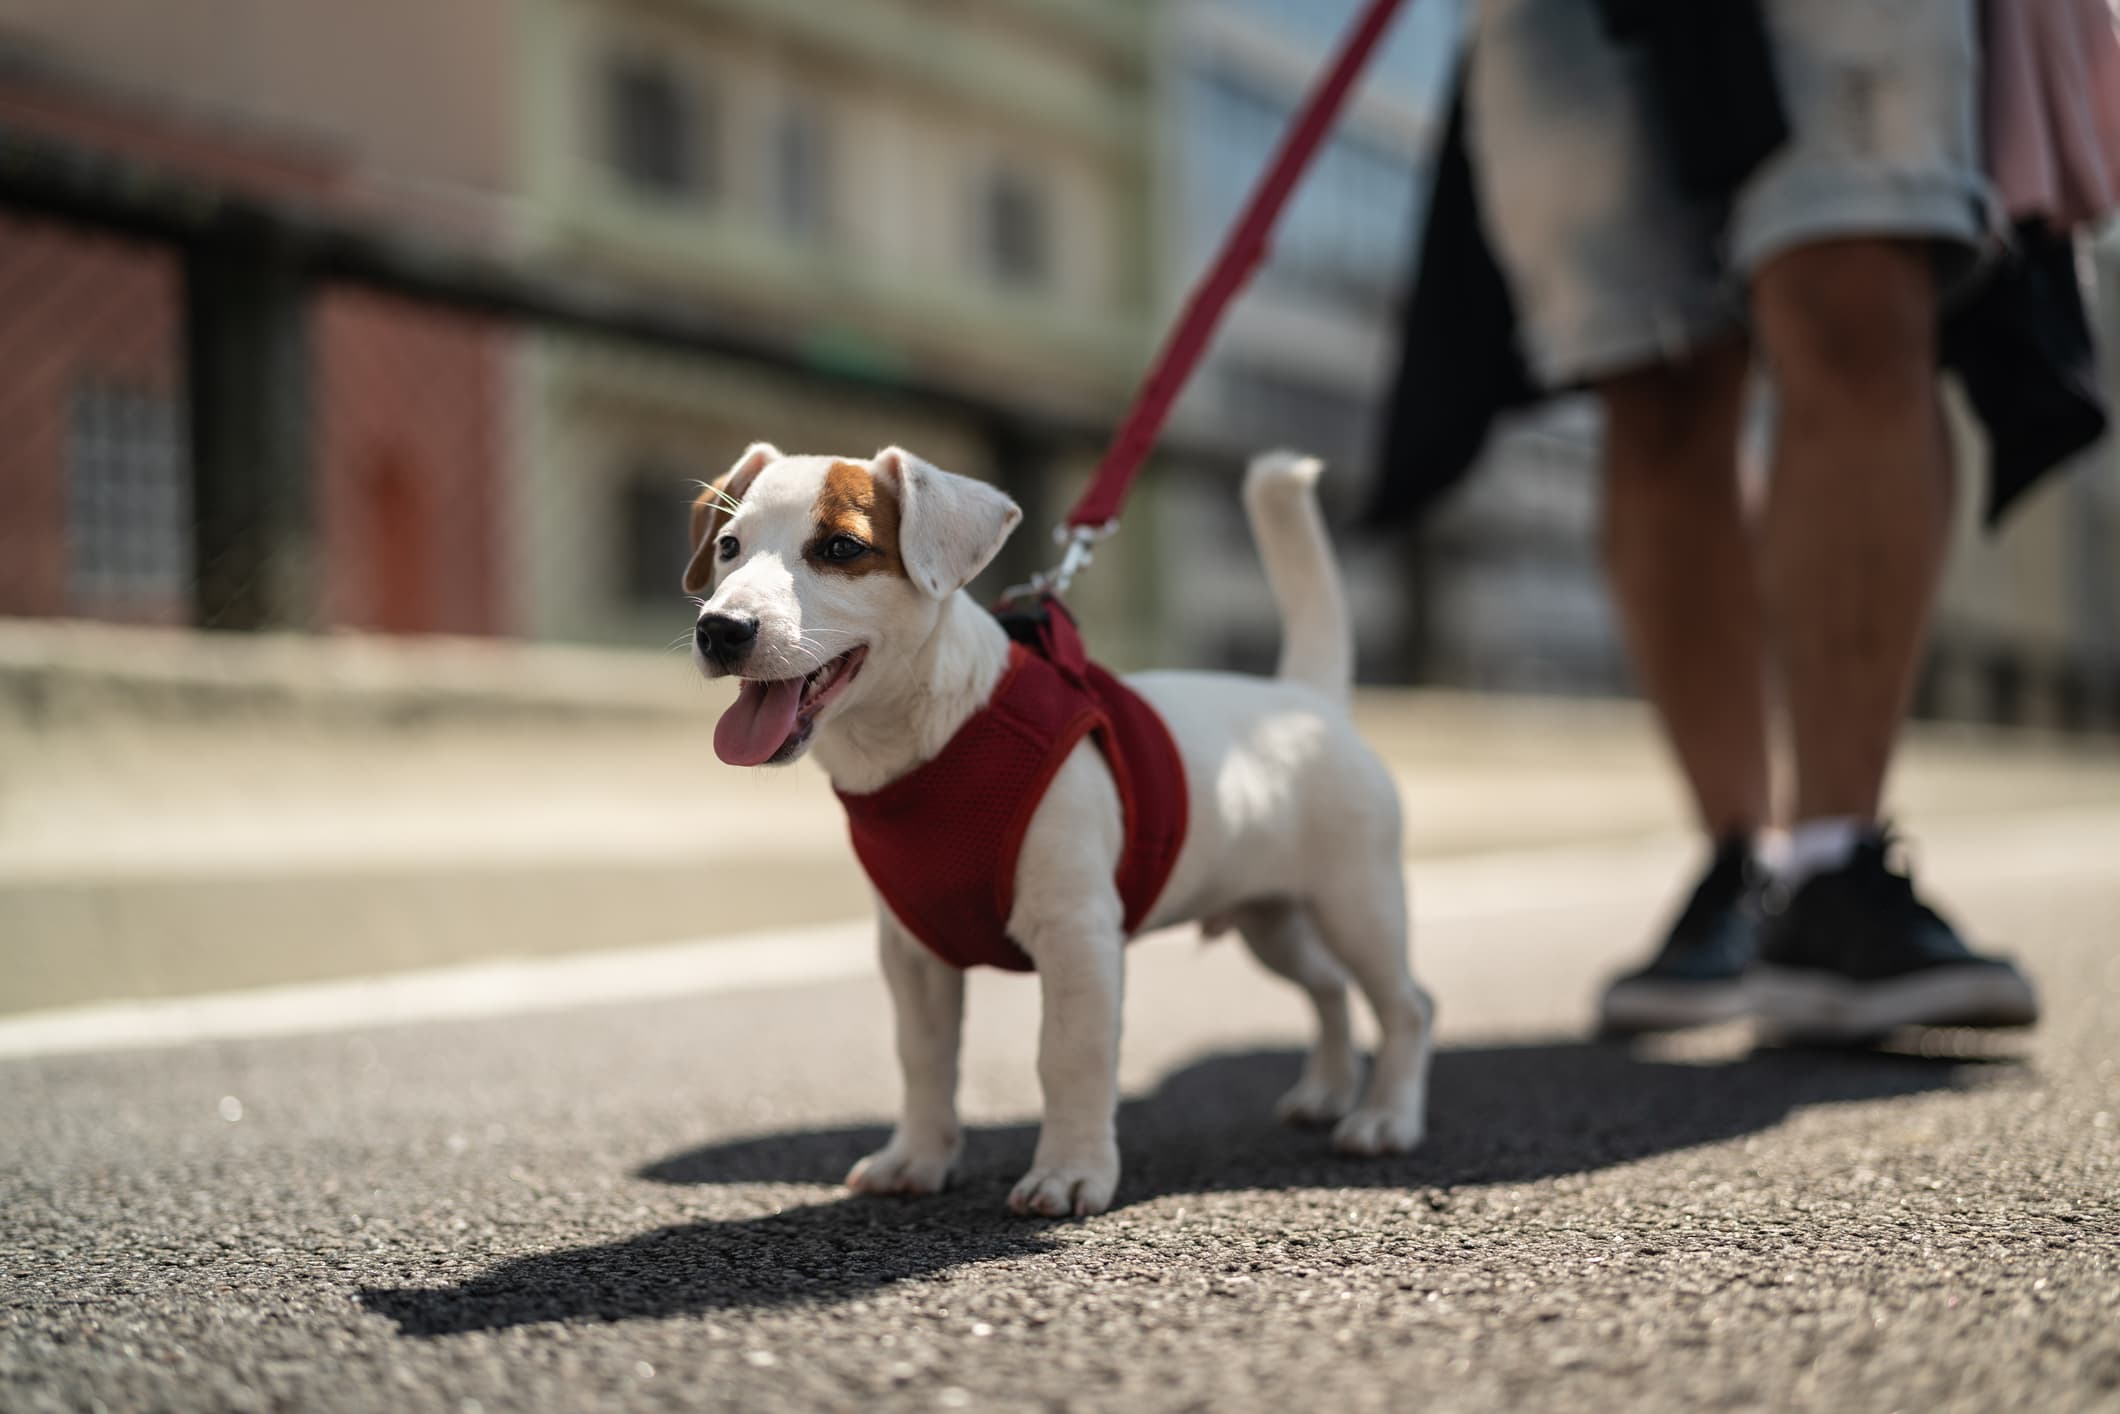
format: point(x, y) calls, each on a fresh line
point(1293, 839)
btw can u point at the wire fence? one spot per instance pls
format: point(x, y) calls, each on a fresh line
point(235, 415)
point(96, 506)
point(402, 410)
point(258, 416)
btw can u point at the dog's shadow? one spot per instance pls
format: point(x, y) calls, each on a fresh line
point(1497, 1115)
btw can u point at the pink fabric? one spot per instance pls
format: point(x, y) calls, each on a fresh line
point(2053, 108)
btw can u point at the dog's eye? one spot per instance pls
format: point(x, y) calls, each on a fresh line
point(843, 548)
point(728, 547)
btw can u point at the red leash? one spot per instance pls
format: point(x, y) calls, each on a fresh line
point(1097, 512)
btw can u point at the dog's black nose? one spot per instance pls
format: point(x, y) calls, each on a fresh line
point(724, 636)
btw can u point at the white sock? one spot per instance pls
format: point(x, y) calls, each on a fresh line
point(1820, 846)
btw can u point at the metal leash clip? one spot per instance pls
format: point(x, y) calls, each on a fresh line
point(1079, 542)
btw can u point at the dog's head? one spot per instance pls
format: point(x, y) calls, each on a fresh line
point(811, 568)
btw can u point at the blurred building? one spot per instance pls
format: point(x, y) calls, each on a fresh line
point(400, 109)
point(2027, 626)
point(1008, 199)
point(909, 186)
point(1502, 591)
point(1510, 594)
point(1306, 351)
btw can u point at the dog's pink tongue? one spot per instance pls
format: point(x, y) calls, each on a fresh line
point(758, 722)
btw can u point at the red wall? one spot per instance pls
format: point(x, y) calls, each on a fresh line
point(408, 407)
point(411, 422)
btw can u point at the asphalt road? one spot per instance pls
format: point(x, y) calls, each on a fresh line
point(632, 1204)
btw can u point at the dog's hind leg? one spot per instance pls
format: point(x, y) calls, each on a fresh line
point(1283, 937)
point(927, 998)
point(1361, 916)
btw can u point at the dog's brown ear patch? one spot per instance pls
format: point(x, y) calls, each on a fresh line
point(714, 504)
point(855, 503)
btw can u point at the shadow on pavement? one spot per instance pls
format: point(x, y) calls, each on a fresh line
point(1497, 1114)
point(831, 1252)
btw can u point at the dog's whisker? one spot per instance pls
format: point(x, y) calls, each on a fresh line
point(720, 498)
point(806, 650)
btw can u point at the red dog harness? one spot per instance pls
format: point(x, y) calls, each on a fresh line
point(941, 843)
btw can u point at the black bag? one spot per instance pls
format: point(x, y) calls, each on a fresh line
point(1459, 364)
point(2021, 346)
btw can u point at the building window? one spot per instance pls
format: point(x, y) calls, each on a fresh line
point(654, 532)
point(1013, 228)
point(128, 499)
point(802, 173)
point(660, 129)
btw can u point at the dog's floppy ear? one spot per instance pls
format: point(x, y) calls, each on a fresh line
point(949, 527)
point(711, 510)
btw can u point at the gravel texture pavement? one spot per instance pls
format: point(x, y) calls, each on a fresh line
point(634, 1206)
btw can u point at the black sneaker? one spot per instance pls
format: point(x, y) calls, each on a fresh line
point(1698, 976)
point(1854, 954)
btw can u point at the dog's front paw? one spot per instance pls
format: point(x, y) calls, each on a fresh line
point(1081, 1185)
point(1378, 1130)
point(904, 1167)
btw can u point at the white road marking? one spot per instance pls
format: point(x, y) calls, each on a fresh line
point(2048, 847)
point(485, 989)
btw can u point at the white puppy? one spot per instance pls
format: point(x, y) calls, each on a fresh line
point(835, 591)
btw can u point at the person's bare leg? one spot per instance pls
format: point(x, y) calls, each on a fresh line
point(1856, 528)
point(1858, 509)
point(1680, 561)
point(1679, 558)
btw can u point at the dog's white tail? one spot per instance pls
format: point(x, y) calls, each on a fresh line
point(1317, 640)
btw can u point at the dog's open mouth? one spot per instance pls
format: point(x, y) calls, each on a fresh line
point(770, 720)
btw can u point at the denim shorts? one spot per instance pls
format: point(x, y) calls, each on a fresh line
point(1611, 265)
